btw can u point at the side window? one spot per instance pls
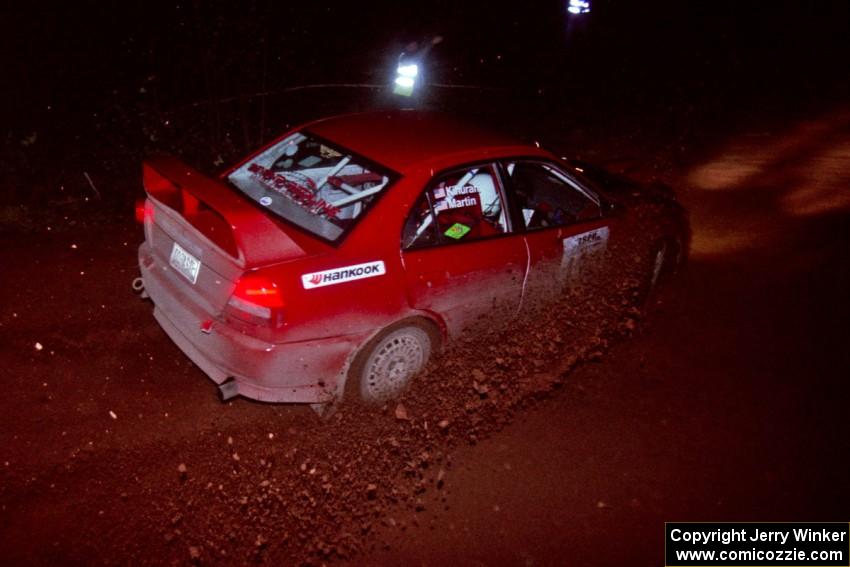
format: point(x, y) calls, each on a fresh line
point(547, 197)
point(460, 206)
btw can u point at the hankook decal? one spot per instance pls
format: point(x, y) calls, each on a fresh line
point(344, 274)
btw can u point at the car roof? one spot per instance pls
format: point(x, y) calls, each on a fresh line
point(401, 139)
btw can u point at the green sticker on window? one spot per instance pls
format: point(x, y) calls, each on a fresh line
point(457, 231)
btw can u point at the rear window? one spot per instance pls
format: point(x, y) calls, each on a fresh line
point(318, 186)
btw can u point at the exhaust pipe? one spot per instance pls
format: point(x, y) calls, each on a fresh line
point(228, 389)
point(138, 286)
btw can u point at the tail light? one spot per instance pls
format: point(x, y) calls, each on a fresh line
point(144, 210)
point(257, 300)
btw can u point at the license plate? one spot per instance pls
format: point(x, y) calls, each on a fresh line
point(185, 263)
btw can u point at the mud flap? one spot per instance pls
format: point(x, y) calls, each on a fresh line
point(228, 389)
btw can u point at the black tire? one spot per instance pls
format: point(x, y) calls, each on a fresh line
point(387, 364)
point(663, 261)
point(657, 266)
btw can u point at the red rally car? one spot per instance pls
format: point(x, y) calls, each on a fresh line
point(343, 254)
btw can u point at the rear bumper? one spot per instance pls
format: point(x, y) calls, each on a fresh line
point(301, 372)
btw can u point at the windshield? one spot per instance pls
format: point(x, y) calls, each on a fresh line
point(317, 186)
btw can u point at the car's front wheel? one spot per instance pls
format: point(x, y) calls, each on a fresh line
point(663, 260)
point(387, 364)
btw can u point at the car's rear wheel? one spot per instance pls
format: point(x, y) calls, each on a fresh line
point(386, 366)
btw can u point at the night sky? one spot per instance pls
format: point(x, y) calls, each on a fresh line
point(80, 57)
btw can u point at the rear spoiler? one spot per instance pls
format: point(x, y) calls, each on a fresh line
point(226, 218)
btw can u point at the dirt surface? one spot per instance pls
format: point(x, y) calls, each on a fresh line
point(729, 405)
point(241, 481)
point(726, 405)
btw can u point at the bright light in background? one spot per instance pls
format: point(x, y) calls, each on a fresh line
point(578, 6)
point(408, 70)
point(405, 79)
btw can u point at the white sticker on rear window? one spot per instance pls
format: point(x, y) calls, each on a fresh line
point(343, 274)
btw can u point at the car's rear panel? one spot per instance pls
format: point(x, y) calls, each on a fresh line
point(229, 237)
point(219, 271)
